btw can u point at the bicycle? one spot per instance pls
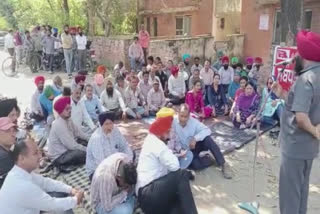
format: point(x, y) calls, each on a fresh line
point(11, 66)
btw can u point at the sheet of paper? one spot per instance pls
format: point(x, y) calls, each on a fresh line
point(264, 22)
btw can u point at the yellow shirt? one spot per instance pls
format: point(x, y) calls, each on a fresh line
point(66, 40)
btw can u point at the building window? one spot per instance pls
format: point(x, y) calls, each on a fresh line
point(155, 26)
point(183, 25)
point(148, 24)
point(277, 25)
point(307, 19)
point(276, 28)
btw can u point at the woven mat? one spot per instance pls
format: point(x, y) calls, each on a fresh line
point(79, 180)
point(230, 138)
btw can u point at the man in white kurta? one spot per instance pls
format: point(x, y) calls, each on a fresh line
point(162, 186)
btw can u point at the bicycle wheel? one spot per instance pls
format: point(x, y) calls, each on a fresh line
point(63, 66)
point(35, 63)
point(9, 67)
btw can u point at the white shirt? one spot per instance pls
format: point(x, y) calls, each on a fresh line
point(8, 41)
point(156, 160)
point(177, 86)
point(114, 102)
point(25, 193)
point(80, 115)
point(207, 76)
point(226, 76)
point(81, 42)
point(194, 67)
point(35, 103)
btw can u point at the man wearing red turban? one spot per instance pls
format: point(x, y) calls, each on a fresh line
point(63, 148)
point(36, 110)
point(162, 186)
point(226, 73)
point(300, 127)
point(79, 81)
point(176, 86)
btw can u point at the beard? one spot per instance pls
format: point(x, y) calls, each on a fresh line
point(40, 88)
point(186, 63)
point(299, 65)
point(110, 92)
point(226, 67)
point(66, 32)
point(164, 139)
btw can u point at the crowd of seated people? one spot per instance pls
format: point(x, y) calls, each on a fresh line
point(83, 132)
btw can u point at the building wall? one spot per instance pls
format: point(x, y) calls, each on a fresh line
point(110, 51)
point(201, 19)
point(231, 25)
point(257, 42)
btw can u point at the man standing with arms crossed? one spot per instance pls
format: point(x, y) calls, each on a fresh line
point(300, 127)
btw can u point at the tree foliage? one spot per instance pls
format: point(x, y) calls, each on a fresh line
point(108, 17)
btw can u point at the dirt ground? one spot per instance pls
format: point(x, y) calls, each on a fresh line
point(212, 193)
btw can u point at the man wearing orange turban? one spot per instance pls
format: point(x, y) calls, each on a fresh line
point(300, 127)
point(162, 186)
point(36, 110)
point(101, 69)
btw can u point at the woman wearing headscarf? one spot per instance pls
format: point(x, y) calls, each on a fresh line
point(274, 106)
point(217, 98)
point(194, 99)
point(240, 90)
point(46, 99)
point(246, 108)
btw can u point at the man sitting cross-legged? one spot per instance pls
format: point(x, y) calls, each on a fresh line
point(194, 135)
point(112, 185)
point(162, 187)
point(92, 103)
point(80, 115)
point(63, 148)
point(136, 104)
point(24, 191)
point(155, 99)
point(105, 141)
point(112, 100)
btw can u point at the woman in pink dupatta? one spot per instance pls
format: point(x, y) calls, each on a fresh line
point(194, 100)
point(246, 108)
